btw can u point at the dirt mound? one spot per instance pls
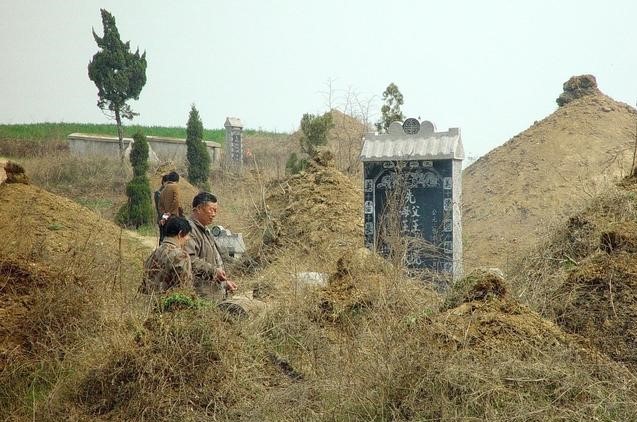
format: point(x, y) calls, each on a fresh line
point(51, 248)
point(41, 310)
point(480, 284)
point(512, 194)
point(585, 276)
point(598, 300)
point(176, 367)
point(521, 365)
point(15, 173)
point(578, 87)
point(59, 232)
point(314, 216)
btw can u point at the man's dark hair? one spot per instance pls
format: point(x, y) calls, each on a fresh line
point(202, 198)
point(176, 225)
point(164, 179)
point(173, 176)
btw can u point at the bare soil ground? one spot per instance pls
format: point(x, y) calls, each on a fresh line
point(513, 195)
point(584, 277)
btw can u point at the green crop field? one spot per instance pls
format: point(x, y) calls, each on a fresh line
point(59, 131)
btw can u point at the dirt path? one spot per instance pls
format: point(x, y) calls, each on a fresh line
point(149, 241)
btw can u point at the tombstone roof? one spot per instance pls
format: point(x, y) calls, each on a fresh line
point(412, 140)
point(233, 122)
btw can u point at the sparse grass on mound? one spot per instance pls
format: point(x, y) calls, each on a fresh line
point(370, 344)
point(585, 275)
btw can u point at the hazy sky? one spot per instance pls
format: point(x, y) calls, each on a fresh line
point(488, 67)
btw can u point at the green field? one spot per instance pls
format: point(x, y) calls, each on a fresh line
point(59, 131)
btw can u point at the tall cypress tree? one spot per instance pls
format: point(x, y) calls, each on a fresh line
point(197, 151)
point(118, 74)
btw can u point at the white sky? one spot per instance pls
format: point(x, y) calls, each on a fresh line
point(488, 67)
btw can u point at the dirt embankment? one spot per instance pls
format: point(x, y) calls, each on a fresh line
point(585, 276)
point(515, 192)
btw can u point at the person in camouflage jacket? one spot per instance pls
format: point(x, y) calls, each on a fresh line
point(169, 265)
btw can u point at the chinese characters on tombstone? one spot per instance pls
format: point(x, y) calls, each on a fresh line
point(415, 196)
point(234, 146)
point(423, 204)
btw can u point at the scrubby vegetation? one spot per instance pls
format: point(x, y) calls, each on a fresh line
point(138, 210)
point(363, 340)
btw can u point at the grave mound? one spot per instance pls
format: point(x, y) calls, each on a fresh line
point(515, 193)
point(311, 216)
point(41, 311)
point(583, 277)
point(51, 248)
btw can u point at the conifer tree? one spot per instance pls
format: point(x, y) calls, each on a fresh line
point(118, 74)
point(139, 210)
point(314, 130)
point(196, 150)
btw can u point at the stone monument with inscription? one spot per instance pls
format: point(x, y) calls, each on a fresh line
point(412, 191)
point(234, 141)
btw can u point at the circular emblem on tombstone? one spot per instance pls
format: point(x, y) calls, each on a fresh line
point(427, 128)
point(411, 126)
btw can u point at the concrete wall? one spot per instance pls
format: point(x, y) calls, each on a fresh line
point(166, 149)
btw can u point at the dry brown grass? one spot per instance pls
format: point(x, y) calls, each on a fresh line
point(583, 277)
point(372, 344)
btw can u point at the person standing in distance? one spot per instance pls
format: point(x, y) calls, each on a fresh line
point(210, 278)
point(169, 203)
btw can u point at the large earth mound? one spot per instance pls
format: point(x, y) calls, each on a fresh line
point(545, 173)
point(522, 366)
point(585, 276)
point(59, 263)
point(314, 215)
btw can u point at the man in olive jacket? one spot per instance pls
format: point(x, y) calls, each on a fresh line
point(210, 278)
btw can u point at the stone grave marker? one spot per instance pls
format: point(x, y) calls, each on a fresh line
point(412, 188)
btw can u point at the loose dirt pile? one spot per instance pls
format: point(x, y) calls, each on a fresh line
point(310, 219)
point(41, 312)
point(512, 194)
point(60, 264)
point(503, 361)
point(14, 173)
point(585, 276)
point(578, 87)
